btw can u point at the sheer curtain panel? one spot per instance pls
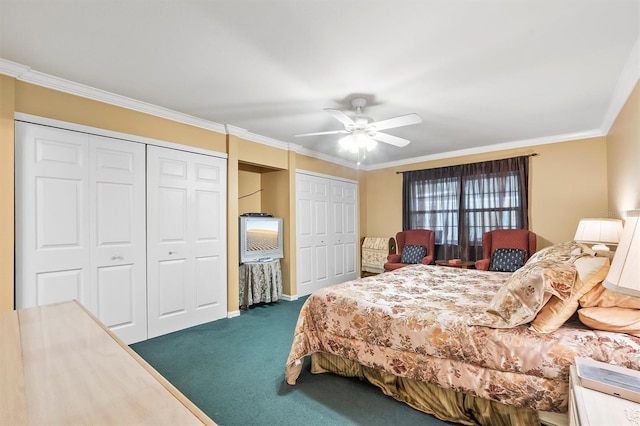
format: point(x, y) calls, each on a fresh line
point(462, 202)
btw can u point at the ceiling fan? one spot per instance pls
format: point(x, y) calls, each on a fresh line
point(362, 125)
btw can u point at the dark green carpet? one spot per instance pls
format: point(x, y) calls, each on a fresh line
point(233, 369)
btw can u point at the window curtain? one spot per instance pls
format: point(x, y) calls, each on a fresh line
point(462, 202)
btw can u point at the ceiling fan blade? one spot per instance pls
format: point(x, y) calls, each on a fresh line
point(391, 140)
point(332, 132)
point(341, 117)
point(403, 120)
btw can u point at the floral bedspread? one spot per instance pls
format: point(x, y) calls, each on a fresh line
point(413, 322)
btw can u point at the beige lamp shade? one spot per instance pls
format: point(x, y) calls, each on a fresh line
point(624, 274)
point(599, 231)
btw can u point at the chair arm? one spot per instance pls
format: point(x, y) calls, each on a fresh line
point(483, 264)
point(427, 260)
point(394, 258)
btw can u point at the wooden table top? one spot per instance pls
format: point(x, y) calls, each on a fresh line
point(465, 264)
point(60, 365)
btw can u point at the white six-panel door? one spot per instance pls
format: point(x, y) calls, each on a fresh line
point(186, 202)
point(312, 219)
point(80, 225)
point(52, 216)
point(118, 237)
point(326, 217)
point(344, 227)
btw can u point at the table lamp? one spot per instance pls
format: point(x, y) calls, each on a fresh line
point(624, 274)
point(599, 232)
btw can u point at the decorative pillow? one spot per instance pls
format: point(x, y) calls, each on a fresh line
point(413, 254)
point(591, 271)
point(621, 320)
point(525, 292)
point(561, 252)
point(507, 260)
point(602, 297)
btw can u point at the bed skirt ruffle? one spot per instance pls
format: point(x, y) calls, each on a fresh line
point(445, 404)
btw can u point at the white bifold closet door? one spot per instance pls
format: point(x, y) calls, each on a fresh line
point(326, 217)
point(135, 232)
point(186, 258)
point(80, 225)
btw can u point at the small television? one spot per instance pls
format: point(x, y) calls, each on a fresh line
point(260, 238)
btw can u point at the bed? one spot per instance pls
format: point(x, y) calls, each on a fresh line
point(463, 344)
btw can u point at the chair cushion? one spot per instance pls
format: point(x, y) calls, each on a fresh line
point(507, 260)
point(413, 254)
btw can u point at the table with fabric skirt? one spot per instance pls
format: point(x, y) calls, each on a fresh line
point(260, 282)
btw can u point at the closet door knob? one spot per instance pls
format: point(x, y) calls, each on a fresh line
point(117, 257)
point(172, 252)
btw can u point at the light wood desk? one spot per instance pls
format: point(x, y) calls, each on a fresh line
point(59, 365)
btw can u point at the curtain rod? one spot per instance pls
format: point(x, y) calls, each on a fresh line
point(533, 154)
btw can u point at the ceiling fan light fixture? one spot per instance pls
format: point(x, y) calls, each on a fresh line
point(357, 141)
point(363, 133)
point(369, 144)
point(349, 144)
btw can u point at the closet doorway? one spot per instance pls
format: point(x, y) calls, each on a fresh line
point(93, 217)
point(326, 218)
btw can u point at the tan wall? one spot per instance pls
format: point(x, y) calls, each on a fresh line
point(262, 155)
point(316, 165)
point(7, 101)
point(275, 201)
point(43, 102)
point(249, 195)
point(623, 158)
point(567, 181)
point(233, 227)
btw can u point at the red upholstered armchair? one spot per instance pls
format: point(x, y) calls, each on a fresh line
point(412, 237)
point(506, 238)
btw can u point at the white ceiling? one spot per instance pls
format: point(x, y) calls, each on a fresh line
point(479, 72)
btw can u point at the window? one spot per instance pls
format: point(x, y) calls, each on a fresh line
point(460, 203)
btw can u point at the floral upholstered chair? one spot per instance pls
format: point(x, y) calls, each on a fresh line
point(506, 249)
point(414, 246)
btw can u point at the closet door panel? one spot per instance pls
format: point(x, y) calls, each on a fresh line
point(344, 227)
point(313, 228)
point(52, 215)
point(59, 208)
point(305, 272)
point(209, 230)
point(58, 286)
point(115, 288)
point(186, 196)
point(169, 253)
point(118, 236)
point(206, 295)
point(338, 260)
point(172, 288)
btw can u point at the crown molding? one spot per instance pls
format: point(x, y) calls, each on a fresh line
point(253, 137)
point(12, 69)
point(493, 148)
point(626, 83)
point(26, 74)
point(329, 158)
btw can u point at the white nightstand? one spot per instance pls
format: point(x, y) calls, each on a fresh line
point(590, 407)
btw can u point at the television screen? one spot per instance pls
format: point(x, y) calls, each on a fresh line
point(260, 238)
